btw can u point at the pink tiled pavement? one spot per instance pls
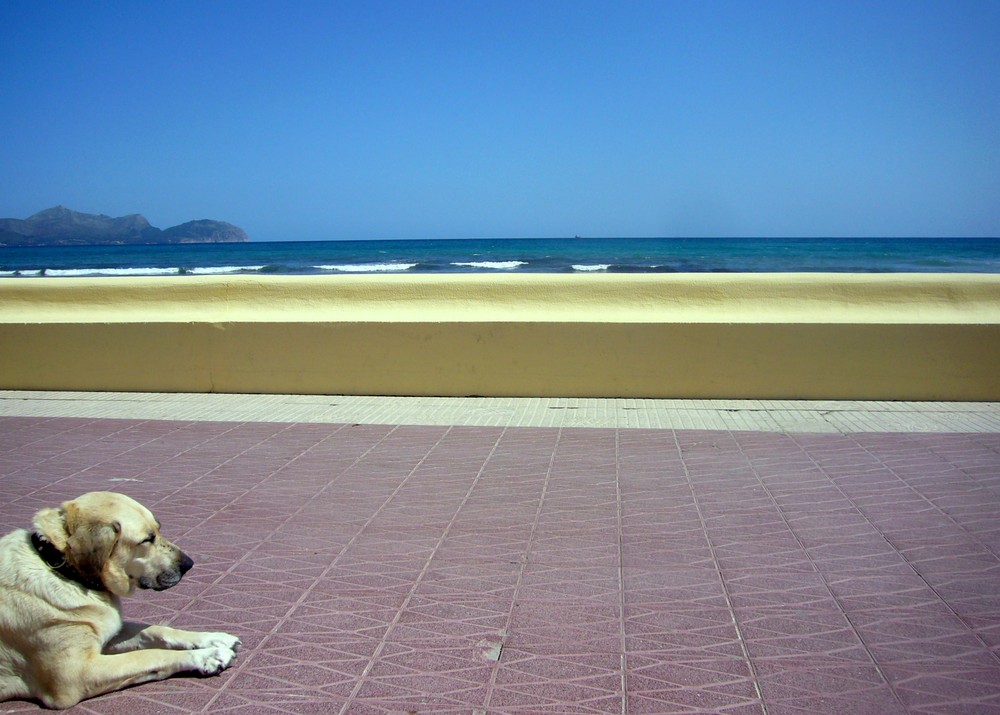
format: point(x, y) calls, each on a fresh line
point(381, 569)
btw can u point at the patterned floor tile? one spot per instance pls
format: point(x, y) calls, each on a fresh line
point(572, 682)
point(688, 684)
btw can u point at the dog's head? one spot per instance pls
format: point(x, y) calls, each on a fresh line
point(113, 539)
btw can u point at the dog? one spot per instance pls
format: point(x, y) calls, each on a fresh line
point(62, 638)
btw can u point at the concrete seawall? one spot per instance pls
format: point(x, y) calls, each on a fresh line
point(767, 336)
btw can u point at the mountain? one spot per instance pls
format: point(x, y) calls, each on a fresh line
point(60, 226)
point(204, 231)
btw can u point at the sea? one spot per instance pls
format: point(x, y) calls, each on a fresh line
point(512, 255)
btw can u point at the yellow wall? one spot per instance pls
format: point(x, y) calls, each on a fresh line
point(820, 336)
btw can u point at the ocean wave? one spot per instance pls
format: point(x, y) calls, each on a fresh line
point(507, 256)
point(214, 270)
point(641, 268)
point(74, 272)
point(368, 267)
point(492, 265)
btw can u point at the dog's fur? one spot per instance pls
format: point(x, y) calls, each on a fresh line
point(62, 638)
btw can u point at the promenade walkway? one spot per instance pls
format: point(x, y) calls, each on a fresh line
point(404, 555)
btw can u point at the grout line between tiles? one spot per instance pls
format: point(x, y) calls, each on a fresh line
point(423, 572)
point(741, 638)
point(291, 609)
point(508, 626)
point(621, 573)
point(823, 576)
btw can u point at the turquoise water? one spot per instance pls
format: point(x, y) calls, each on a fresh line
point(575, 255)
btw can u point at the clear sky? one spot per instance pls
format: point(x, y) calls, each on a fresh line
point(428, 119)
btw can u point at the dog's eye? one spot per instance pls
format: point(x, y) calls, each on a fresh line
point(151, 539)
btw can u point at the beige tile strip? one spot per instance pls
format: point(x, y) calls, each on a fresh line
point(736, 415)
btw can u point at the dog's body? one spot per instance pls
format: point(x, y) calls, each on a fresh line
point(62, 638)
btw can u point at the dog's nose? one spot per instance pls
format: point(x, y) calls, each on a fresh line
point(185, 563)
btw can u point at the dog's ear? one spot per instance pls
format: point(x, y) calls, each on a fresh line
point(50, 524)
point(89, 548)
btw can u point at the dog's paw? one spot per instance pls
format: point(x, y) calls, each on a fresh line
point(220, 640)
point(212, 661)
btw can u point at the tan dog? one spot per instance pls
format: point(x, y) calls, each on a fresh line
point(62, 638)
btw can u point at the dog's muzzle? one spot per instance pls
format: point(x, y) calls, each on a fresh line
point(166, 579)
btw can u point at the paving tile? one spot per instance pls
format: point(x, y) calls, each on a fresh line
point(568, 682)
point(821, 685)
point(689, 680)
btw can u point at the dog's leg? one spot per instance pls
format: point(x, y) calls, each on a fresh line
point(12, 686)
point(138, 636)
point(87, 677)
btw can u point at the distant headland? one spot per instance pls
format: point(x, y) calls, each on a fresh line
point(60, 226)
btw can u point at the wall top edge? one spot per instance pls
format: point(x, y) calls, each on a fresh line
point(639, 298)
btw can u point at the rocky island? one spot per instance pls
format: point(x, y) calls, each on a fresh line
point(60, 226)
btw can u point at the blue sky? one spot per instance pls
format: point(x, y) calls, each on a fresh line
point(430, 119)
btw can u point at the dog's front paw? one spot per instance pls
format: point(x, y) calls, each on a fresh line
point(221, 640)
point(212, 661)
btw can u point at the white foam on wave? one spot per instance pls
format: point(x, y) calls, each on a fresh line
point(588, 269)
point(214, 270)
point(367, 267)
point(493, 265)
point(71, 272)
